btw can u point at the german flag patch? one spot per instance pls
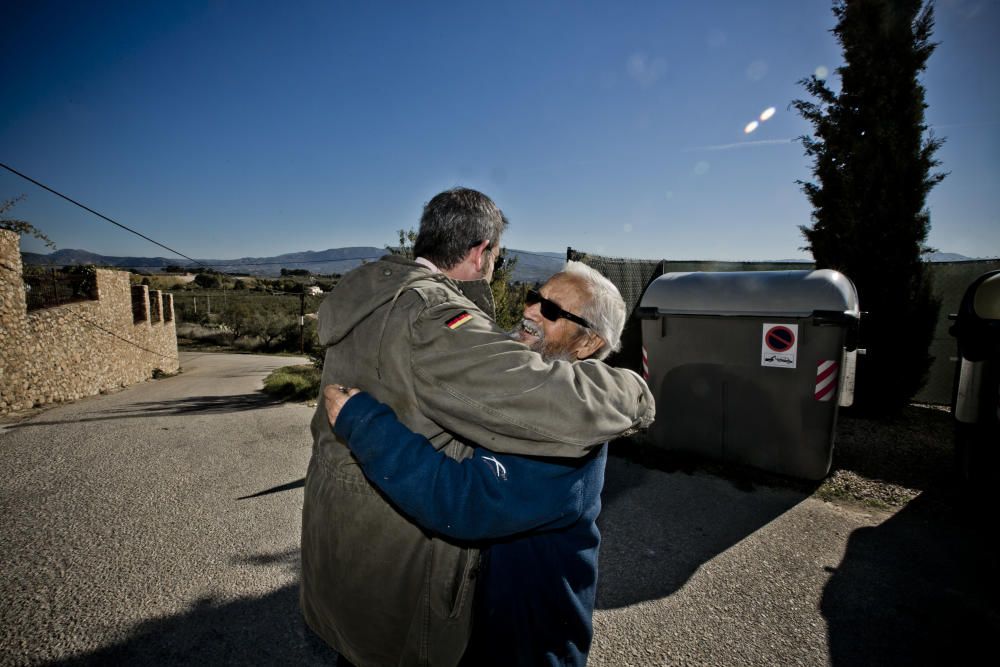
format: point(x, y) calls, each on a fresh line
point(458, 320)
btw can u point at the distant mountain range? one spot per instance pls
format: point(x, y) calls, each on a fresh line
point(947, 257)
point(531, 266)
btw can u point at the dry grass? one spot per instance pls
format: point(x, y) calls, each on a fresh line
point(294, 383)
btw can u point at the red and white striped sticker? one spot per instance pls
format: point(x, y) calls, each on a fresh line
point(826, 380)
point(645, 364)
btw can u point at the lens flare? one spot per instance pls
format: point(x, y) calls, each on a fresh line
point(767, 113)
point(627, 227)
point(751, 126)
point(701, 168)
point(822, 72)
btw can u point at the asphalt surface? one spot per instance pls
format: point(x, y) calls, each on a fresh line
point(160, 525)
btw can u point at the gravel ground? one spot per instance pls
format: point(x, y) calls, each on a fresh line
point(878, 463)
point(887, 462)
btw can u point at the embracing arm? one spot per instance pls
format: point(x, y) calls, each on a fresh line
point(473, 380)
point(486, 496)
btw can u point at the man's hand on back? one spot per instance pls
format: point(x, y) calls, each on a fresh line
point(335, 396)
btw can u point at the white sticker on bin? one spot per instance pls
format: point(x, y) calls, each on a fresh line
point(779, 345)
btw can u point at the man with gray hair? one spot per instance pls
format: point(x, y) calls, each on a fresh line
point(420, 336)
point(535, 600)
point(550, 330)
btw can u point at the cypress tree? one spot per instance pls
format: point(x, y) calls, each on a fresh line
point(872, 161)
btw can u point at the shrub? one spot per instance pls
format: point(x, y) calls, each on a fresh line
point(294, 383)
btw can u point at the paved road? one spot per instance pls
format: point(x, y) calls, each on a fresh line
point(160, 525)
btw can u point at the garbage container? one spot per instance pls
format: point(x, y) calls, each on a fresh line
point(976, 399)
point(750, 367)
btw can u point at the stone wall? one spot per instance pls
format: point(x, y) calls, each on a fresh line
point(80, 349)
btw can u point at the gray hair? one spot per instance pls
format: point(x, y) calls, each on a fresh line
point(605, 309)
point(453, 222)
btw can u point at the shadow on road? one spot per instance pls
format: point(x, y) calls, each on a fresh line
point(181, 406)
point(297, 484)
point(199, 405)
point(921, 588)
point(656, 535)
point(264, 630)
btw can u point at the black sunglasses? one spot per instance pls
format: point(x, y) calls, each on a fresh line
point(551, 310)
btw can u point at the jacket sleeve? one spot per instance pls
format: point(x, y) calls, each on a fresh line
point(486, 496)
point(474, 380)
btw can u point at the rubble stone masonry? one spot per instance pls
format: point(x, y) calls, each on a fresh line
point(80, 349)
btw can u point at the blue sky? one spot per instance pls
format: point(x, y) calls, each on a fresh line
point(231, 129)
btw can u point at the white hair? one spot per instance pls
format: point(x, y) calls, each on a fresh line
point(604, 309)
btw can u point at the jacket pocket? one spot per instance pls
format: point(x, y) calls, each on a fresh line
point(467, 572)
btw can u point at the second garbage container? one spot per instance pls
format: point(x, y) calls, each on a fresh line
point(749, 367)
point(976, 405)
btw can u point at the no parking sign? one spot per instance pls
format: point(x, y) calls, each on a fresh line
point(779, 345)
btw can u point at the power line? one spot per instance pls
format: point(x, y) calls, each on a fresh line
point(235, 294)
point(99, 215)
point(191, 259)
point(546, 255)
point(126, 340)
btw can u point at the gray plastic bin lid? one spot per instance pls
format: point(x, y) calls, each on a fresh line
point(748, 293)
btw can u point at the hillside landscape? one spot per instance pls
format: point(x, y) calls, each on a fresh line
point(531, 266)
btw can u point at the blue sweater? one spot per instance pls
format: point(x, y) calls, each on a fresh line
point(535, 601)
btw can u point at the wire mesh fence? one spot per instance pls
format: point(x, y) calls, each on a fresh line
point(47, 287)
point(949, 280)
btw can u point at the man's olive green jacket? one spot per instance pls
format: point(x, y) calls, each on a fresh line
point(378, 588)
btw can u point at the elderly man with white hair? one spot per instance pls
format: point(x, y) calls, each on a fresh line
point(535, 596)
